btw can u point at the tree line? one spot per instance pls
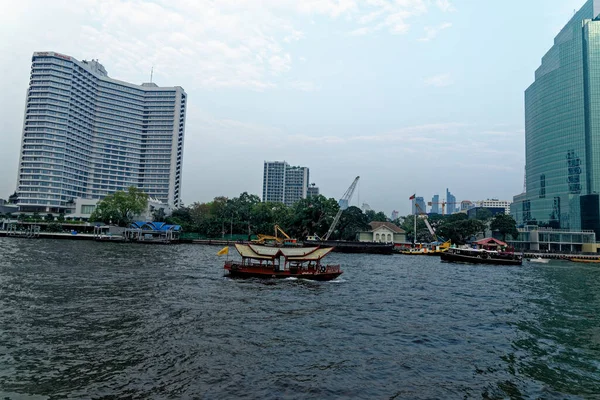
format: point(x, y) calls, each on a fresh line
point(247, 215)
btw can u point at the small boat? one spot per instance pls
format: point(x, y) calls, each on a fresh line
point(539, 260)
point(280, 262)
point(475, 256)
point(586, 260)
point(432, 249)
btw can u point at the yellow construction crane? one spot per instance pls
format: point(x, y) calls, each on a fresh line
point(285, 240)
point(278, 229)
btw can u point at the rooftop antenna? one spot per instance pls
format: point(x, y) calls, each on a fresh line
point(151, 73)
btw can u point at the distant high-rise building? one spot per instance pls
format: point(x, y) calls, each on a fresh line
point(86, 135)
point(562, 130)
point(466, 205)
point(395, 215)
point(435, 204)
point(365, 207)
point(421, 202)
point(450, 203)
point(495, 203)
point(313, 190)
point(283, 183)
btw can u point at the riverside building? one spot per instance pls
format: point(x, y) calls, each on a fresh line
point(283, 183)
point(86, 135)
point(562, 131)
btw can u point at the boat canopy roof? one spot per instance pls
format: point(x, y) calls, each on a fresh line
point(292, 254)
point(314, 256)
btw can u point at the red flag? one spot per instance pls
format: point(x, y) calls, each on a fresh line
point(412, 197)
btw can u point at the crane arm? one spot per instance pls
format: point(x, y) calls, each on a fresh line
point(429, 227)
point(278, 229)
point(343, 205)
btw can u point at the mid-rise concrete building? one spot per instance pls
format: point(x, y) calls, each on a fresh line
point(283, 183)
point(313, 190)
point(86, 135)
point(494, 203)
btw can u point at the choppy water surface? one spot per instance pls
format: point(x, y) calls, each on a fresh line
point(104, 320)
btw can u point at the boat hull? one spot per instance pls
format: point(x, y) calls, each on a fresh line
point(243, 271)
point(340, 246)
point(460, 258)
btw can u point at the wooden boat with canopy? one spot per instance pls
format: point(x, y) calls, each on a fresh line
point(275, 262)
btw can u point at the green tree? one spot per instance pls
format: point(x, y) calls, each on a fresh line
point(505, 225)
point(459, 228)
point(351, 222)
point(264, 217)
point(312, 216)
point(13, 198)
point(49, 218)
point(158, 215)
point(36, 217)
point(61, 218)
point(483, 214)
point(374, 216)
point(181, 216)
point(121, 207)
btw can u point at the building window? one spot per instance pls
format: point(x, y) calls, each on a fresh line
point(87, 209)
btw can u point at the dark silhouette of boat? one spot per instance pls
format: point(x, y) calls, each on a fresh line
point(475, 256)
point(342, 246)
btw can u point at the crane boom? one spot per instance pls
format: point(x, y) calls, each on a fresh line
point(429, 227)
point(343, 205)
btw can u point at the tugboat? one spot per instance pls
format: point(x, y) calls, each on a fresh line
point(475, 256)
point(298, 262)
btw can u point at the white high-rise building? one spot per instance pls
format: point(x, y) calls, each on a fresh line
point(86, 135)
point(495, 203)
point(283, 183)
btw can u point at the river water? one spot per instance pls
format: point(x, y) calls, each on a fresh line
point(109, 320)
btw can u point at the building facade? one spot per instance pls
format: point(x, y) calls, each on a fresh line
point(86, 135)
point(562, 130)
point(435, 204)
point(418, 206)
point(493, 203)
point(313, 191)
point(383, 232)
point(450, 203)
point(283, 183)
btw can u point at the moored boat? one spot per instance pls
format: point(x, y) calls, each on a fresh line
point(475, 256)
point(280, 262)
point(586, 260)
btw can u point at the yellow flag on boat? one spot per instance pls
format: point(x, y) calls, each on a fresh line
point(223, 251)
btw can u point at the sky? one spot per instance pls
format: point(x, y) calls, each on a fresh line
point(413, 96)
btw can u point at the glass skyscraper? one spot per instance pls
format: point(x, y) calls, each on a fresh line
point(86, 135)
point(450, 202)
point(562, 129)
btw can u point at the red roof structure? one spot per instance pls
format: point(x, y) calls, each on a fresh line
point(490, 242)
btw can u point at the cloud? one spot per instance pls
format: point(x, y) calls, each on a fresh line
point(214, 44)
point(445, 5)
point(441, 80)
point(388, 15)
point(432, 32)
